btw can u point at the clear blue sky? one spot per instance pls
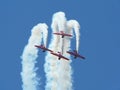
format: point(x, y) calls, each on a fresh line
point(100, 40)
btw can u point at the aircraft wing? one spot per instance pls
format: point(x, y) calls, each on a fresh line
point(37, 46)
point(59, 56)
point(57, 33)
point(64, 58)
point(67, 35)
point(81, 56)
point(71, 53)
point(43, 48)
point(63, 34)
point(48, 49)
point(55, 54)
point(75, 54)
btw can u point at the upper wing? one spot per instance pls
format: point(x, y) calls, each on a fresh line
point(64, 57)
point(49, 50)
point(37, 46)
point(60, 56)
point(57, 33)
point(71, 53)
point(55, 54)
point(64, 34)
point(67, 35)
point(81, 56)
point(76, 54)
point(43, 48)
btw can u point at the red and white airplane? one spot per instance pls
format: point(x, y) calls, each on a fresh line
point(43, 48)
point(75, 54)
point(62, 33)
point(59, 55)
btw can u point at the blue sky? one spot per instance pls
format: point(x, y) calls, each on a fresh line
point(100, 40)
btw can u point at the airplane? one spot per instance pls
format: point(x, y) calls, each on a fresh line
point(59, 55)
point(43, 48)
point(75, 54)
point(63, 34)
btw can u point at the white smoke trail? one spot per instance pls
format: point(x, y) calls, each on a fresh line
point(60, 20)
point(44, 28)
point(51, 61)
point(64, 67)
point(58, 73)
point(29, 56)
point(75, 25)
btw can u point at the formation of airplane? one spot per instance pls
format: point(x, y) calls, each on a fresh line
point(75, 54)
point(63, 34)
point(58, 54)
